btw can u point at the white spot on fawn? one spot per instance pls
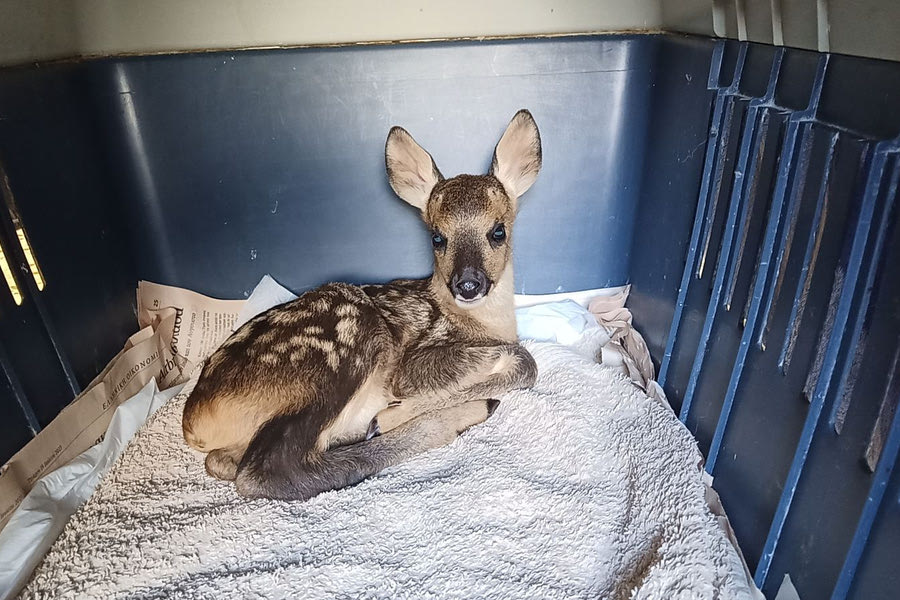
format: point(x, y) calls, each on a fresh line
point(269, 359)
point(327, 347)
point(267, 337)
point(346, 331)
point(347, 310)
point(286, 317)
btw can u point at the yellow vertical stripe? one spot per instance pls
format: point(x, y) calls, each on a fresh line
point(29, 257)
point(10, 280)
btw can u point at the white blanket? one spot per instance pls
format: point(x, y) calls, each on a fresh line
point(582, 487)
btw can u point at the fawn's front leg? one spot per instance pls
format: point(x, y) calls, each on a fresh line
point(437, 377)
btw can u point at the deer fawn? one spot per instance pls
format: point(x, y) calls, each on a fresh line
point(321, 392)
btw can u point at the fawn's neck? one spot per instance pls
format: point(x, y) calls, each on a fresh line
point(495, 318)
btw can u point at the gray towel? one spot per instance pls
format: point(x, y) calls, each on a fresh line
point(582, 487)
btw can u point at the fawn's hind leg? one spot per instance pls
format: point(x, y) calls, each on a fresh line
point(272, 467)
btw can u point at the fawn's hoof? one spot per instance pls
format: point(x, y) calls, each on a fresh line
point(374, 430)
point(492, 406)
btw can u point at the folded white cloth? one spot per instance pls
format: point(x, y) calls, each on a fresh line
point(564, 322)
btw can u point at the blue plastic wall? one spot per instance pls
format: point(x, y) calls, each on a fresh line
point(209, 170)
point(746, 192)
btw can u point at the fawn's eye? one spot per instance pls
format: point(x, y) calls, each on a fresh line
point(498, 234)
point(438, 241)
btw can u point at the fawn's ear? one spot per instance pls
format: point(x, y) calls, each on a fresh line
point(411, 170)
point(517, 157)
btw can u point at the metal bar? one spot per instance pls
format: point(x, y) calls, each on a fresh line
point(749, 142)
point(847, 379)
point(730, 93)
point(746, 311)
point(767, 102)
point(741, 18)
point(777, 24)
point(31, 419)
point(806, 117)
point(791, 176)
point(753, 142)
point(717, 178)
point(787, 235)
point(17, 255)
point(712, 150)
point(810, 259)
point(839, 411)
point(779, 213)
point(854, 261)
point(53, 337)
point(734, 263)
point(715, 66)
point(870, 511)
point(812, 376)
point(886, 413)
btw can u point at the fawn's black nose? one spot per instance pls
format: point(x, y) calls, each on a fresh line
point(469, 284)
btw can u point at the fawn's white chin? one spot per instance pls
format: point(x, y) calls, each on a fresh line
point(469, 304)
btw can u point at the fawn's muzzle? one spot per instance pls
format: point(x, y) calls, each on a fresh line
point(469, 284)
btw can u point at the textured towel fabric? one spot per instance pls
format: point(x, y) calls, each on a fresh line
point(582, 487)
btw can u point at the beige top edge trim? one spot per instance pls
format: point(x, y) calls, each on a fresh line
point(481, 38)
point(48, 29)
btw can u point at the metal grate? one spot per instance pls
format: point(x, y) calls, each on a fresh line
point(812, 201)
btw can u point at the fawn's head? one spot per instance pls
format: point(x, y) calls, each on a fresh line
point(470, 216)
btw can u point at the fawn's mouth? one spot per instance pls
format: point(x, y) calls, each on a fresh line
point(476, 300)
point(468, 304)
